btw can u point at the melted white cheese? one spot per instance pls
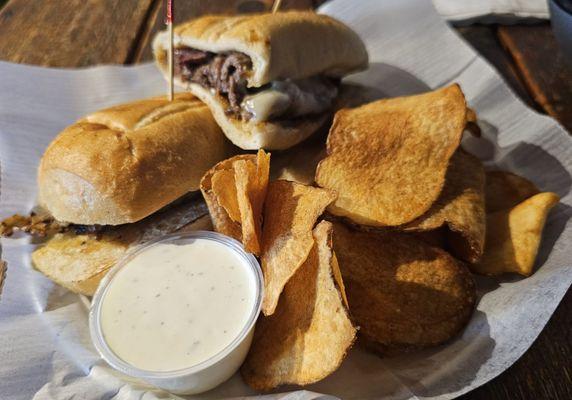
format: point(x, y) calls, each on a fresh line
point(294, 98)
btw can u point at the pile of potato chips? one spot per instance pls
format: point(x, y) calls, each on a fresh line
point(382, 247)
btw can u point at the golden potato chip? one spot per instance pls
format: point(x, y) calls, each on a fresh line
point(2, 274)
point(224, 188)
point(251, 185)
point(387, 160)
point(403, 293)
point(339, 280)
point(290, 212)
point(308, 336)
point(514, 235)
point(78, 262)
point(460, 207)
point(222, 221)
point(504, 190)
point(234, 191)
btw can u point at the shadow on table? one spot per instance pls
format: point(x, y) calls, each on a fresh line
point(383, 80)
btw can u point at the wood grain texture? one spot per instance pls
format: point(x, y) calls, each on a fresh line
point(483, 38)
point(74, 33)
point(544, 371)
point(185, 10)
point(70, 33)
point(542, 67)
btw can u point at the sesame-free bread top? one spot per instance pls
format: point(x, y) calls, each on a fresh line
point(293, 44)
point(123, 163)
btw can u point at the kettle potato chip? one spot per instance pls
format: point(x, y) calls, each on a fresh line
point(308, 336)
point(387, 160)
point(291, 211)
point(460, 207)
point(251, 185)
point(403, 294)
point(234, 190)
point(224, 188)
point(514, 235)
point(504, 190)
point(222, 221)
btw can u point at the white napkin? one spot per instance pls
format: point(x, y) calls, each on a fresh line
point(490, 11)
point(45, 349)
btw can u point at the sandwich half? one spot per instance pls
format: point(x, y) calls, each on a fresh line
point(118, 178)
point(270, 80)
point(121, 164)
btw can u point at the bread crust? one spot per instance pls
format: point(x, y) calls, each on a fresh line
point(276, 44)
point(123, 163)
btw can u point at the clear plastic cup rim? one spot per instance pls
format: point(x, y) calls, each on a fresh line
point(117, 363)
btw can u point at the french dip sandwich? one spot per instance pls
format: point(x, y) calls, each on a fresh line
point(270, 80)
point(117, 178)
point(121, 164)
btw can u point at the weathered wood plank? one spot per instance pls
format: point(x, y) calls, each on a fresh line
point(185, 10)
point(76, 33)
point(71, 33)
point(484, 40)
point(542, 67)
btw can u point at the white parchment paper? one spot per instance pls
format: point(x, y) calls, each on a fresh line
point(45, 349)
point(492, 11)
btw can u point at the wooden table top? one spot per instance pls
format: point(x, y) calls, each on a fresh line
point(79, 33)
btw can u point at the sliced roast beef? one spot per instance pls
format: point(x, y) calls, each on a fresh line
point(225, 72)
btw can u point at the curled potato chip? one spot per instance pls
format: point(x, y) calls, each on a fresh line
point(514, 235)
point(290, 212)
point(222, 221)
point(387, 159)
point(251, 185)
point(403, 293)
point(234, 190)
point(308, 336)
point(460, 207)
point(505, 190)
point(224, 188)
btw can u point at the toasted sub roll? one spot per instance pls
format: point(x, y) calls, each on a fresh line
point(123, 163)
point(253, 52)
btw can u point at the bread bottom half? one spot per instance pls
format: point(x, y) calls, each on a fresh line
point(277, 135)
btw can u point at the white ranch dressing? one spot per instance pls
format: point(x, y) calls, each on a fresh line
point(174, 306)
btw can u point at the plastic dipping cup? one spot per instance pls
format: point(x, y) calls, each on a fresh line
point(179, 312)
